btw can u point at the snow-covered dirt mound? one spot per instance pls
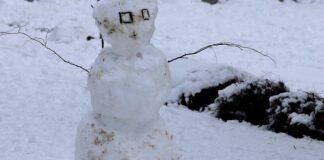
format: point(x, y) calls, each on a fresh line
point(196, 86)
point(297, 113)
point(247, 101)
point(232, 94)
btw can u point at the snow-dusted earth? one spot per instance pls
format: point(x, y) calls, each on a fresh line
point(42, 99)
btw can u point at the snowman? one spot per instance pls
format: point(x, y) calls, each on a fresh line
point(128, 82)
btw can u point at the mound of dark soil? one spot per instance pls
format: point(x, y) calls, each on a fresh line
point(201, 100)
point(248, 101)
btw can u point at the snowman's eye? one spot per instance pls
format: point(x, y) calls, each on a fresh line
point(145, 14)
point(126, 17)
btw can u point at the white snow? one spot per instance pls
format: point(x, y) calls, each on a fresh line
point(300, 118)
point(128, 83)
point(294, 97)
point(131, 76)
point(118, 82)
point(42, 99)
point(232, 90)
point(102, 141)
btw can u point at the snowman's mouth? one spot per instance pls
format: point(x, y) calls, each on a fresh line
point(133, 35)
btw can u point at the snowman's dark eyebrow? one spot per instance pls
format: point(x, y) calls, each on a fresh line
point(145, 14)
point(123, 17)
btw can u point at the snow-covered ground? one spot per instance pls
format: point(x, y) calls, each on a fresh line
point(42, 99)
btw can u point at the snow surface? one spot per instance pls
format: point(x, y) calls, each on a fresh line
point(42, 99)
point(300, 118)
point(296, 96)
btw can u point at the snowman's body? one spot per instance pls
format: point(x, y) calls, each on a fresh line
point(98, 141)
point(128, 82)
point(129, 88)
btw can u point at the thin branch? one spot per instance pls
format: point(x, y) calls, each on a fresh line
point(40, 39)
point(46, 37)
point(229, 44)
point(44, 44)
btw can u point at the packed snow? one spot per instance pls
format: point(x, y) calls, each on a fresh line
point(42, 100)
point(132, 69)
point(300, 118)
point(129, 83)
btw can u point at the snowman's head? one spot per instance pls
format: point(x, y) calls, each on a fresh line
point(123, 22)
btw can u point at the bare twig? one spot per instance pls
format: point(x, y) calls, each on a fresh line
point(46, 37)
point(229, 44)
point(43, 42)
